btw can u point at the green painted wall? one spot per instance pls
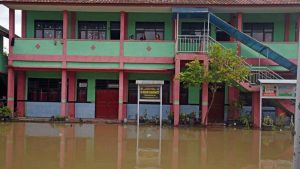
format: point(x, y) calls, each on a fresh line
point(288, 50)
point(98, 16)
point(36, 64)
point(151, 17)
point(148, 66)
point(92, 77)
point(230, 45)
point(84, 48)
point(277, 19)
point(92, 65)
point(152, 49)
point(194, 95)
point(47, 47)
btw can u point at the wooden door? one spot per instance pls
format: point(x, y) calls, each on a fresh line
point(107, 103)
point(216, 114)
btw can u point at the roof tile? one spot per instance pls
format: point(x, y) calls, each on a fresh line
point(158, 2)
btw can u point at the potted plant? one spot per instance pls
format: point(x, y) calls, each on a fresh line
point(144, 117)
point(192, 118)
point(5, 114)
point(268, 123)
point(182, 118)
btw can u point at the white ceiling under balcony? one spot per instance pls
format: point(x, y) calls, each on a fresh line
point(150, 8)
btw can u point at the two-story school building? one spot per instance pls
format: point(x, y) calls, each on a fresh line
point(82, 58)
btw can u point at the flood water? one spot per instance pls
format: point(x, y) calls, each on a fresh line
point(109, 146)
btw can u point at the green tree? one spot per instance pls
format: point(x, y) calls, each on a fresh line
point(224, 67)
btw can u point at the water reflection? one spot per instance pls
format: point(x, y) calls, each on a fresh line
point(89, 146)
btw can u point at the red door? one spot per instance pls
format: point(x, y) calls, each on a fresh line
point(216, 114)
point(107, 103)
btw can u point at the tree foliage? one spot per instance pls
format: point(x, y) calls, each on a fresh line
point(224, 67)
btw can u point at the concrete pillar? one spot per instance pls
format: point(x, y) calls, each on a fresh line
point(73, 25)
point(240, 28)
point(125, 94)
point(255, 109)
point(65, 24)
point(24, 18)
point(233, 95)
point(121, 96)
point(176, 91)
point(65, 37)
point(71, 94)
point(10, 88)
point(63, 92)
point(11, 29)
point(21, 80)
point(297, 29)
point(286, 27)
point(204, 109)
point(64, 65)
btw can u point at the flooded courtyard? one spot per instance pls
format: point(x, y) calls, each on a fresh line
point(109, 146)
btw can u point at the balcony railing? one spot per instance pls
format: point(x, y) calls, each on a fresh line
point(38, 46)
point(193, 43)
point(84, 47)
point(261, 72)
point(149, 48)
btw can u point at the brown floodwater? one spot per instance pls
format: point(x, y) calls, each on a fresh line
point(109, 146)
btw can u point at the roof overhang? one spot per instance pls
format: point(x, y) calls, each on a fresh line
point(163, 8)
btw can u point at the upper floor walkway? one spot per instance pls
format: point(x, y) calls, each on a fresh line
point(83, 39)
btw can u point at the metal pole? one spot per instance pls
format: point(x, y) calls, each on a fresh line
point(160, 108)
point(297, 114)
point(260, 106)
point(177, 31)
point(138, 107)
point(208, 30)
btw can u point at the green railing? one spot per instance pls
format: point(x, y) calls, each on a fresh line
point(149, 48)
point(93, 48)
point(38, 46)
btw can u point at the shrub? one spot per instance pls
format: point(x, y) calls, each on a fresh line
point(268, 121)
point(245, 119)
point(5, 112)
point(280, 121)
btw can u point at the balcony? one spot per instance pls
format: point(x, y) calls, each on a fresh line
point(93, 48)
point(38, 47)
point(149, 48)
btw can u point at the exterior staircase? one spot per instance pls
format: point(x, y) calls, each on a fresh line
point(287, 105)
point(200, 44)
point(251, 84)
